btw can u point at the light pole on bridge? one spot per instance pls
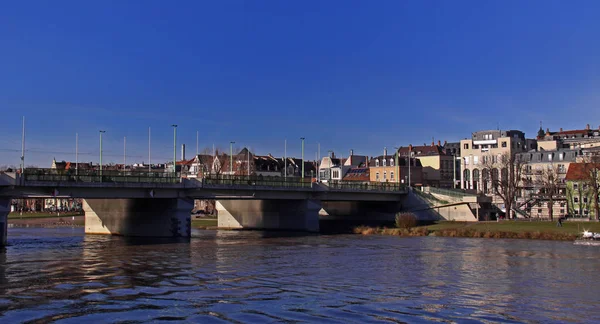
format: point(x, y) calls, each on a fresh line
point(174, 149)
point(302, 138)
point(101, 132)
point(231, 157)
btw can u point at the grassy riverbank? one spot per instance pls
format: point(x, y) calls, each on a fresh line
point(543, 230)
point(204, 223)
point(26, 215)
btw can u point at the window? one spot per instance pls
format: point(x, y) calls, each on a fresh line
point(475, 159)
point(391, 162)
point(467, 160)
point(575, 186)
point(466, 146)
point(585, 212)
point(575, 199)
point(384, 175)
point(576, 212)
point(561, 157)
point(377, 176)
point(562, 204)
point(585, 200)
point(392, 175)
point(562, 210)
point(503, 143)
point(539, 210)
point(377, 162)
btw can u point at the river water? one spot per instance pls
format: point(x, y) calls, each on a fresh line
point(65, 276)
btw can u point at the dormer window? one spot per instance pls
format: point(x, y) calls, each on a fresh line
point(377, 162)
point(391, 162)
point(383, 162)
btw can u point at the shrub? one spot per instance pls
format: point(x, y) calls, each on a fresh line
point(406, 220)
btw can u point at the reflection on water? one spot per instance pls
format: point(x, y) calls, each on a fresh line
point(222, 276)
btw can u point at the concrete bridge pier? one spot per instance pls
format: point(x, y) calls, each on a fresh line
point(4, 210)
point(150, 217)
point(365, 212)
point(297, 215)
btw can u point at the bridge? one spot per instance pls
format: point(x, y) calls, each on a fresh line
point(160, 203)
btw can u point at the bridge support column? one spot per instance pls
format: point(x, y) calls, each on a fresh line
point(4, 210)
point(138, 217)
point(298, 215)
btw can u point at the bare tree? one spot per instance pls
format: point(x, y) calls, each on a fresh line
point(506, 176)
point(549, 183)
point(592, 179)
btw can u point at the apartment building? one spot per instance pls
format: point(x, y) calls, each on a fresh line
point(484, 149)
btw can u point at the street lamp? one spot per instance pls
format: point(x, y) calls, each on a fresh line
point(174, 149)
point(231, 157)
point(101, 132)
point(302, 138)
point(397, 167)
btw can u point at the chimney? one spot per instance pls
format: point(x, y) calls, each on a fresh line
point(385, 151)
point(182, 152)
point(439, 143)
point(351, 152)
point(587, 127)
point(332, 155)
point(432, 144)
point(445, 142)
point(547, 131)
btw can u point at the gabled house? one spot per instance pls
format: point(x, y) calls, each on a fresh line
point(581, 202)
point(383, 168)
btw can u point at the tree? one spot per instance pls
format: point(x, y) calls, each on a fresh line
point(549, 183)
point(506, 171)
point(592, 179)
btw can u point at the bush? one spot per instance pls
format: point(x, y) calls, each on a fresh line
point(406, 220)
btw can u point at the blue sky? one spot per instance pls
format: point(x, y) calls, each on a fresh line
point(348, 74)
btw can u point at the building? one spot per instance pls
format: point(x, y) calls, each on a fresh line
point(581, 202)
point(568, 139)
point(544, 172)
point(360, 174)
point(453, 149)
point(438, 167)
point(383, 168)
point(483, 151)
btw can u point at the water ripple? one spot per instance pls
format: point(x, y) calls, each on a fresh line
point(60, 275)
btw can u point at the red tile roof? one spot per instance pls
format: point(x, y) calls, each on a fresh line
point(580, 171)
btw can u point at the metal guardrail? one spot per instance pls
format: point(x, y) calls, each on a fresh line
point(450, 192)
point(257, 181)
point(367, 186)
point(109, 176)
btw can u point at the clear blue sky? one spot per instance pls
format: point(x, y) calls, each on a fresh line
point(347, 74)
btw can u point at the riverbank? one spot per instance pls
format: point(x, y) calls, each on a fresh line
point(537, 230)
point(47, 221)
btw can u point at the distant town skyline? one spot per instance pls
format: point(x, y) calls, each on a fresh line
point(348, 75)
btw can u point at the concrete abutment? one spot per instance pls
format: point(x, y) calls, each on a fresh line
point(150, 217)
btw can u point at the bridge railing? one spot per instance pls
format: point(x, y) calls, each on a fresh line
point(457, 193)
point(367, 186)
point(256, 181)
point(106, 176)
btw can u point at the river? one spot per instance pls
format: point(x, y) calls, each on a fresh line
point(65, 276)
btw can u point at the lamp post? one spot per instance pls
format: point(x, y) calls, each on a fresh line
point(231, 157)
point(76, 153)
point(454, 170)
point(318, 162)
point(23, 148)
point(149, 162)
point(174, 149)
point(302, 138)
point(101, 132)
point(397, 167)
point(285, 160)
point(330, 164)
